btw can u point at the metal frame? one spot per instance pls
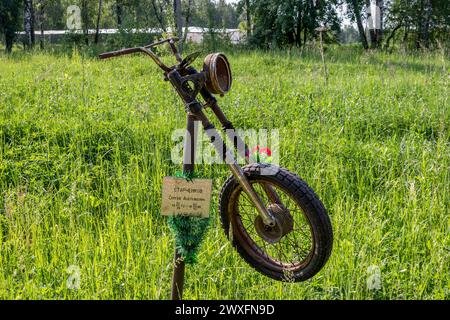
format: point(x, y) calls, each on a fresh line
point(188, 83)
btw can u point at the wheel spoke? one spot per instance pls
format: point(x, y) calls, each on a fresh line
point(294, 247)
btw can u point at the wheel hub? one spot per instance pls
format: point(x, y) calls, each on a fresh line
point(283, 224)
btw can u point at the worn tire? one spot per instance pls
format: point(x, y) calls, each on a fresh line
point(311, 207)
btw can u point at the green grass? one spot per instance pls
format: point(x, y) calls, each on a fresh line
point(84, 145)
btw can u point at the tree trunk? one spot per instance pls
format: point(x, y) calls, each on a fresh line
point(97, 27)
point(9, 39)
point(305, 34)
point(248, 19)
point(306, 21)
point(379, 23)
point(28, 15)
point(313, 17)
point(298, 33)
point(370, 24)
point(290, 38)
point(41, 23)
point(178, 23)
point(427, 21)
point(405, 36)
point(419, 25)
point(119, 12)
point(85, 19)
point(362, 33)
point(391, 36)
point(159, 15)
point(187, 20)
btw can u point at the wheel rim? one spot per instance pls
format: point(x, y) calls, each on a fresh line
point(293, 251)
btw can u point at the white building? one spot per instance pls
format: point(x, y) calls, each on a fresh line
point(194, 34)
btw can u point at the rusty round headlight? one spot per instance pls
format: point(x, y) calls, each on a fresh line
point(218, 73)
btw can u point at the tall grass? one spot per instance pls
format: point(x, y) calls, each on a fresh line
point(84, 145)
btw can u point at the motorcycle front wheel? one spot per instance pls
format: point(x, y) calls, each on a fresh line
point(299, 244)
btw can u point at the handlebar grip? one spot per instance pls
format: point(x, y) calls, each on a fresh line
point(117, 53)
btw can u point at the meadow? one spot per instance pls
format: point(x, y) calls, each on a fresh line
point(84, 145)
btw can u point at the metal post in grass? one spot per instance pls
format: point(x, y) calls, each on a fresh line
point(178, 276)
point(188, 169)
point(321, 30)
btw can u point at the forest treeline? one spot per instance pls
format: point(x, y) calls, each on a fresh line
point(266, 23)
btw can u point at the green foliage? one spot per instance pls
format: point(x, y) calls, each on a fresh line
point(424, 22)
point(413, 23)
point(214, 14)
point(84, 145)
point(9, 20)
point(280, 23)
point(189, 234)
point(349, 35)
point(127, 38)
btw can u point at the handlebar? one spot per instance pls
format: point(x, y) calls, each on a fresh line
point(146, 49)
point(111, 54)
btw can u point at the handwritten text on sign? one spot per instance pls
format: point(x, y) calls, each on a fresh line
point(187, 198)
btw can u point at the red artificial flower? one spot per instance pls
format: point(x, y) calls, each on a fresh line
point(258, 151)
point(266, 151)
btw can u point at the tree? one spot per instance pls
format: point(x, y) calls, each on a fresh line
point(428, 10)
point(423, 22)
point(9, 21)
point(119, 12)
point(56, 13)
point(248, 19)
point(379, 23)
point(28, 17)
point(291, 22)
point(41, 5)
point(370, 22)
point(395, 19)
point(355, 14)
point(85, 20)
point(178, 23)
point(375, 22)
point(187, 19)
point(159, 11)
point(97, 25)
